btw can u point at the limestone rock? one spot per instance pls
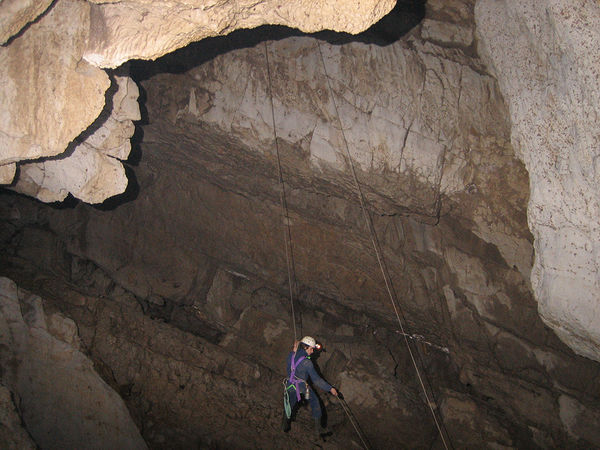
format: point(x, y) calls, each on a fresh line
point(112, 138)
point(578, 419)
point(149, 29)
point(12, 434)
point(47, 58)
point(546, 61)
point(15, 14)
point(7, 173)
point(92, 172)
point(447, 33)
point(87, 174)
point(48, 95)
point(411, 148)
point(474, 423)
point(62, 400)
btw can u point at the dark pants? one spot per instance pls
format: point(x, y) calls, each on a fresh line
point(313, 401)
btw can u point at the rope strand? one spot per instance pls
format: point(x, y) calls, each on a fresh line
point(287, 234)
point(373, 237)
point(353, 421)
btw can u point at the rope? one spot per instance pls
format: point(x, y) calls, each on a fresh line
point(373, 236)
point(288, 239)
point(353, 421)
point(287, 234)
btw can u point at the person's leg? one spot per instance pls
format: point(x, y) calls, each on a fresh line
point(316, 412)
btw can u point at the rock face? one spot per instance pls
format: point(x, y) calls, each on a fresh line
point(93, 171)
point(547, 75)
point(42, 73)
point(544, 57)
point(12, 433)
point(62, 400)
point(179, 287)
point(15, 14)
point(148, 29)
point(59, 56)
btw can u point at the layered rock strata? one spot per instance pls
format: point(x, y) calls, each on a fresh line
point(552, 106)
point(54, 89)
point(194, 256)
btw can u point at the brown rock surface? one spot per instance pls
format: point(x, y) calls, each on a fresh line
point(179, 286)
point(12, 434)
point(185, 276)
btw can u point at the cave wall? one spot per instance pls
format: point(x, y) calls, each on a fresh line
point(437, 152)
point(42, 52)
point(544, 57)
point(542, 61)
point(181, 350)
point(62, 401)
point(192, 254)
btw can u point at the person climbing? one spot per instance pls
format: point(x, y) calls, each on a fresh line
point(299, 370)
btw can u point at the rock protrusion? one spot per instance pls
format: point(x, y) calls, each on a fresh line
point(63, 402)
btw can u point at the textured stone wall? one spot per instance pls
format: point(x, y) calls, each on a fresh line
point(430, 134)
point(54, 94)
point(544, 55)
point(193, 256)
point(61, 399)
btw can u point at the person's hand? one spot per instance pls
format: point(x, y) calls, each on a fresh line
point(334, 391)
point(296, 346)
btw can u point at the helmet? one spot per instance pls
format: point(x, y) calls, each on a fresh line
point(310, 341)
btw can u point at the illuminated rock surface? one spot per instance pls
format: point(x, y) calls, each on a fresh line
point(178, 286)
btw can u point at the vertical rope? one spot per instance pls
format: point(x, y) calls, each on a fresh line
point(375, 243)
point(287, 234)
point(354, 422)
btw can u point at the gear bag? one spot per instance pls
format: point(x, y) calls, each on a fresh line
point(286, 401)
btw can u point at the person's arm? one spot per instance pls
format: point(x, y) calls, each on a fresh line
point(318, 381)
point(288, 362)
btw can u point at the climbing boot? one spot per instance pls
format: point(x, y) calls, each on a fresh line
point(317, 430)
point(285, 423)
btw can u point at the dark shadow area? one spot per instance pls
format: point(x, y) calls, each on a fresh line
point(399, 21)
point(26, 27)
point(135, 155)
point(69, 202)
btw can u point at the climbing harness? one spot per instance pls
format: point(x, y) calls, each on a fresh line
point(287, 233)
point(294, 380)
point(375, 243)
